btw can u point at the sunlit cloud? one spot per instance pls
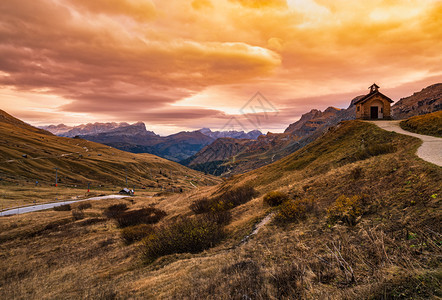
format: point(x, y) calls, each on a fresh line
point(191, 64)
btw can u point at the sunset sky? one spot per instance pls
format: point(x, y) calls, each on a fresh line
point(183, 65)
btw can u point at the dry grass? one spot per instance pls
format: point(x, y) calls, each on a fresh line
point(429, 124)
point(80, 161)
point(391, 250)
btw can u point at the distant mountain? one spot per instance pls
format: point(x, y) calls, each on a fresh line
point(426, 101)
point(233, 156)
point(253, 135)
point(29, 154)
point(136, 139)
point(83, 129)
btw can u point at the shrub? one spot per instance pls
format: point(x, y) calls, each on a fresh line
point(149, 215)
point(135, 233)
point(233, 198)
point(345, 209)
point(356, 173)
point(275, 198)
point(77, 214)
point(184, 235)
point(84, 205)
point(200, 206)
point(114, 210)
point(219, 217)
point(374, 150)
point(291, 211)
point(64, 207)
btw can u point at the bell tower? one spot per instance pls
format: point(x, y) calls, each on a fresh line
point(373, 88)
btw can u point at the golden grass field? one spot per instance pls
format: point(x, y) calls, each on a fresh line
point(79, 162)
point(430, 124)
point(392, 251)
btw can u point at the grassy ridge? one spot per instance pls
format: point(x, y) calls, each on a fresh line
point(429, 124)
point(371, 229)
point(27, 156)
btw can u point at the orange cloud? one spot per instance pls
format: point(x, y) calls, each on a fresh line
point(128, 58)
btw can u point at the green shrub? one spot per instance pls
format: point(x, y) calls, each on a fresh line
point(149, 215)
point(201, 206)
point(346, 209)
point(291, 211)
point(65, 207)
point(84, 205)
point(191, 235)
point(114, 210)
point(275, 198)
point(135, 233)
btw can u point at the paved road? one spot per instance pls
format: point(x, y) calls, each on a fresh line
point(431, 148)
point(37, 207)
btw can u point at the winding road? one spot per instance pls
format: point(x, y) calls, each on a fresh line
point(37, 207)
point(431, 148)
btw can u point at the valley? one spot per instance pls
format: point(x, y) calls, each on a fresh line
point(360, 217)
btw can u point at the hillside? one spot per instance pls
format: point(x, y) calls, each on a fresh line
point(231, 159)
point(6, 118)
point(28, 154)
point(362, 222)
point(429, 124)
point(426, 101)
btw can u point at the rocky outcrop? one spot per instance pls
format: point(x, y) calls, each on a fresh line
point(426, 101)
point(83, 129)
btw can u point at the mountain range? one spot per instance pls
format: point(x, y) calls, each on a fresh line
point(232, 152)
point(227, 157)
point(136, 138)
point(28, 153)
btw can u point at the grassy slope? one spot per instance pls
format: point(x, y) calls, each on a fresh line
point(79, 161)
point(393, 250)
point(429, 124)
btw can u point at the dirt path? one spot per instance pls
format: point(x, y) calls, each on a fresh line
point(431, 148)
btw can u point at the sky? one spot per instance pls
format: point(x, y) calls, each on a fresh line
point(225, 64)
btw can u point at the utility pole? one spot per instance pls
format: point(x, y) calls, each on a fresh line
point(56, 177)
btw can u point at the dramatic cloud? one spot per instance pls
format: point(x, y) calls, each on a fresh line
point(189, 64)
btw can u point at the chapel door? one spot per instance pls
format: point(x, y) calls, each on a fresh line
point(373, 112)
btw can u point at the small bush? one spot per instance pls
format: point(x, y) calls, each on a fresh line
point(65, 207)
point(84, 205)
point(220, 217)
point(191, 235)
point(356, 173)
point(135, 233)
point(291, 211)
point(77, 214)
point(346, 209)
point(149, 215)
point(374, 150)
point(114, 210)
point(233, 198)
point(275, 198)
point(200, 206)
